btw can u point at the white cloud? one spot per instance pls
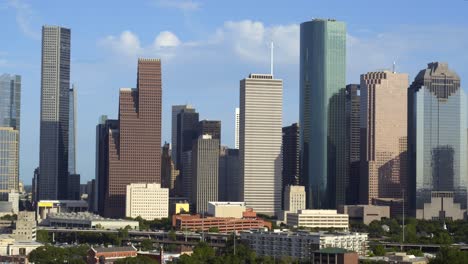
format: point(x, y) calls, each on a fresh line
point(127, 44)
point(184, 5)
point(166, 39)
point(24, 15)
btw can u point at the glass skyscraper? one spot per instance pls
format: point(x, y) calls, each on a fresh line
point(10, 100)
point(322, 112)
point(72, 131)
point(437, 137)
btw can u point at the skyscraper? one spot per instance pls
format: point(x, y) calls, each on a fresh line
point(169, 174)
point(187, 130)
point(10, 101)
point(229, 181)
point(205, 158)
point(437, 139)
point(290, 155)
point(55, 85)
point(72, 132)
point(261, 106)
point(135, 146)
point(236, 136)
point(322, 112)
point(175, 111)
point(353, 130)
point(384, 135)
point(210, 127)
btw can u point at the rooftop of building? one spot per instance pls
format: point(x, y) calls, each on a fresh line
point(318, 212)
point(289, 233)
point(334, 251)
point(81, 203)
point(233, 204)
point(83, 216)
point(113, 249)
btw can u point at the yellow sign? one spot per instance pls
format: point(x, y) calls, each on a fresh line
point(45, 204)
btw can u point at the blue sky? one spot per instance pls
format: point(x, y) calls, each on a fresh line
point(206, 48)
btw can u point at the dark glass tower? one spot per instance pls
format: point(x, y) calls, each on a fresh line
point(290, 155)
point(437, 139)
point(353, 98)
point(55, 85)
point(322, 112)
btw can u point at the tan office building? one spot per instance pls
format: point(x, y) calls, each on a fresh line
point(383, 135)
point(147, 200)
point(318, 219)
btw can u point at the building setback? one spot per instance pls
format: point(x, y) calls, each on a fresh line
point(55, 85)
point(437, 141)
point(353, 135)
point(205, 158)
point(135, 145)
point(384, 135)
point(322, 112)
point(261, 105)
point(10, 101)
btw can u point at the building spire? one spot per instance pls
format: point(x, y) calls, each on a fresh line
point(271, 59)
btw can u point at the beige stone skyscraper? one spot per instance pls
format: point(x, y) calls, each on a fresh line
point(260, 137)
point(383, 135)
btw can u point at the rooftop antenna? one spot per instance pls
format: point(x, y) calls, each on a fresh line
point(271, 59)
point(394, 65)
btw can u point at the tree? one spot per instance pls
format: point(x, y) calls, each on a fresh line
point(43, 236)
point(450, 255)
point(415, 252)
point(50, 254)
point(213, 230)
point(379, 250)
point(137, 260)
point(9, 217)
point(172, 235)
point(147, 245)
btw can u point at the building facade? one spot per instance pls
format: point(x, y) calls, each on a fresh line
point(187, 131)
point(169, 174)
point(72, 118)
point(147, 200)
point(318, 219)
point(294, 198)
point(291, 150)
point(176, 109)
point(384, 135)
point(236, 127)
point(322, 112)
point(10, 102)
point(261, 106)
point(437, 144)
point(26, 226)
point(55, 85)
point(229, 178)
point(226, 209)
point(301, 245)
point(205, 160)
point(134, 147)
point(353, 139)
point(365, 213)
point(210, 127)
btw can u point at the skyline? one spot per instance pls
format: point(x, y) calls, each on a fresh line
point(193, 53)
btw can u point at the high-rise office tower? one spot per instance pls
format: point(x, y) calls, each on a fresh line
point(236, 136)
point(210, 127)
point(384, 135)
point(261, 106)
point(291, 155)
point(322, 112)
point(103, 130)
point(10, 101)
point(72, 132)
point(55, 85)
point(437, 139)
point(187, 130)
point(205, 158)
point(229, 181)
point(135, 145)
point(169, 174)
point(176, 109)
point(353, 102)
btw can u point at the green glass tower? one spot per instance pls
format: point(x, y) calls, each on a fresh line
point(323, 113)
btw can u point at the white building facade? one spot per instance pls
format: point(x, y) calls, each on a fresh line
point(318, 219)
point(260, 140)
point(147, 200)
point(226, 209)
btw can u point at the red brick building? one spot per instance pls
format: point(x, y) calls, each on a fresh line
point(224, 224)
point(133, 147)
point(110, 254)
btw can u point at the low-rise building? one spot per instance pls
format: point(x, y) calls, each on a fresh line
point(147, 200)
point(25, 227)
point(334, 256)
point(109, 254)
point(87, 220)
point(395, 204)
point(318, 219)
point(301, 245)
point(365, 213)
point(226, 209)
point(223, 224)
point(45, 207)
point(442, 205)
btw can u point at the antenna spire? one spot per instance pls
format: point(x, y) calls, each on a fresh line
point(271, 59)
point(394, 66)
